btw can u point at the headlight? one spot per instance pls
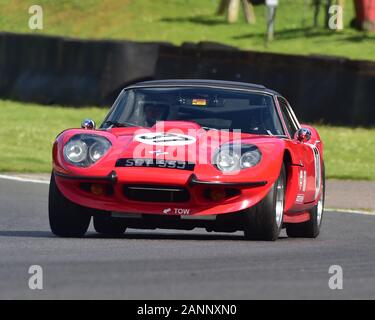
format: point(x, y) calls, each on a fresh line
point(227, 160)
point(76, 151)
point(234, 157)
point(84, 150)
point(250, 158)
point(97, 150)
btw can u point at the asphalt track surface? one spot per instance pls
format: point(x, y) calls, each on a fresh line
point(177, 265)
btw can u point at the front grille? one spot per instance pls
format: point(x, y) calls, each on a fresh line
point(148, 193)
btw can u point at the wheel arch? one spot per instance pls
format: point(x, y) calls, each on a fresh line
point(291, 185)
point(287, 160)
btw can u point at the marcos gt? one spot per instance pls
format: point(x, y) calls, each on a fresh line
point(180, 154)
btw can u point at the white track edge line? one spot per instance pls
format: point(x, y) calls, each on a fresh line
point(368, 213)
point(19, 179)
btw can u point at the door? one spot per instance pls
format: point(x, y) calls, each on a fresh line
point(307, 155)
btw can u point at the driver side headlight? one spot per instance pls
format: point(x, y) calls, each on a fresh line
point(84, 150)
point(234, 157)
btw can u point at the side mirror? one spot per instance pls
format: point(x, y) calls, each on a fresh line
point(303, 135)
point(88, 124)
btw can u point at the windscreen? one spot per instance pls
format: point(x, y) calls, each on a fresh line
point(211, 108)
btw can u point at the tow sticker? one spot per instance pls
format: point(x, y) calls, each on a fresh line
point(180, 211)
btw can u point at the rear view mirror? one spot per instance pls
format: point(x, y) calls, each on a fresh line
point(303, 135)
point(88, 124)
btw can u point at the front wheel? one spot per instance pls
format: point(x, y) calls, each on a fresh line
point(265, 220)
point(66, 218)
point(109, 226)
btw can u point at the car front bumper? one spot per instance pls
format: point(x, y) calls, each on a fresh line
point(184, 194)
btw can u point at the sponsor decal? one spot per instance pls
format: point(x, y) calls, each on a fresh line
point(304, 181)
point(300, 198)
point(199, 102)
point(179, 211)
point(300, 179)
point(158, 153)
point(165, 139)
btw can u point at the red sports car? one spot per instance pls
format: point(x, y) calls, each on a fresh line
point(180, 154)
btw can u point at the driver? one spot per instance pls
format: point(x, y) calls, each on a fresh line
point(154, 113)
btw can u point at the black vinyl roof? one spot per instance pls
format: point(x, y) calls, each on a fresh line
point(204, 82)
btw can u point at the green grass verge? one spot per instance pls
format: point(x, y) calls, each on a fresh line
point(27, 132)
point(177, 21)
point(349, 152)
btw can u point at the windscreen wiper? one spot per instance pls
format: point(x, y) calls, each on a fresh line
point(208, 128)
point(115, 124)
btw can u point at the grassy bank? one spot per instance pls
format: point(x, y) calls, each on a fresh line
point(349, 152)
point(177, 21)
point(27, 132)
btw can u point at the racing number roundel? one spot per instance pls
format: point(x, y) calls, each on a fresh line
point(164, 139)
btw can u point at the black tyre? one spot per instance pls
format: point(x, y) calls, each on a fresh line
point(311, 228)
point(66, 218)
point(109, 226)
point(264, 221)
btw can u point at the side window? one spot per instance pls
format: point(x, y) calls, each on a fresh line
point(291, 125)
